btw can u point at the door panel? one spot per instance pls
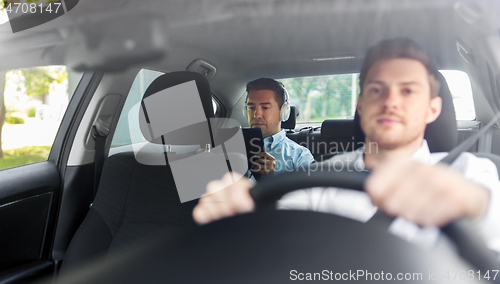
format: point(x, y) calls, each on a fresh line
point(25, 231)
point(28, 196)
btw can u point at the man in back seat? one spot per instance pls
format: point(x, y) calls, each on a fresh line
point(267, 105)
point(399, 97)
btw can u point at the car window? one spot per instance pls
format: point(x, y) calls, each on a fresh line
point(323, 97)
point(123, 133)
point(334, 96)
point(32, 103)
point(461, 91)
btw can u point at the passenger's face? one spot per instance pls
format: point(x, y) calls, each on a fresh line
point(263, 112)
point(395, 106)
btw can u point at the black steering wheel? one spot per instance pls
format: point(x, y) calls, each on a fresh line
point(278, 246)
point(266, 194)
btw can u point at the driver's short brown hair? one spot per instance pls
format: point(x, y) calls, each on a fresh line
point(399, 48)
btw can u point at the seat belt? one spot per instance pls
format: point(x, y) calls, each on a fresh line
point(100, 141)
point(467, 143)
point(100, 132)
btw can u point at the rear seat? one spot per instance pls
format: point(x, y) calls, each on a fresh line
point(289, 124)
point(335, 136)
point(338, 134)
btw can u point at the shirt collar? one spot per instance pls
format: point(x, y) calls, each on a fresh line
point(422, 155)
point(275, 139)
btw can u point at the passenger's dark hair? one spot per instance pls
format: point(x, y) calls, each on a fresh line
point(399, 48)
point(268, 84)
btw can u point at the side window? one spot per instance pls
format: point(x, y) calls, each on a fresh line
point(461, 91)
point(32, 104)
point(123, 132)
point(215, 106)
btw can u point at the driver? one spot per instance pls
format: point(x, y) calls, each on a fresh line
point(398, 98)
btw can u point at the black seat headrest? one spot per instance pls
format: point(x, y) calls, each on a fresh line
point(442, 134)
point(337, 128)
point(177, 107)
point(291, 121)
point(172, 79)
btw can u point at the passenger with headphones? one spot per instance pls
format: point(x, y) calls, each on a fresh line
point(267, 105)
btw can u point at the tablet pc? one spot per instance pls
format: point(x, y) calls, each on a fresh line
point(254, 141)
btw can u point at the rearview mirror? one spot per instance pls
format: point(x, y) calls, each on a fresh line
point(114, 45)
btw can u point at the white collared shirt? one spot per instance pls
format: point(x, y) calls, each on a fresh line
point(358, 206)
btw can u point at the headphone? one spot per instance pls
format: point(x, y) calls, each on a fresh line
point(285, 108)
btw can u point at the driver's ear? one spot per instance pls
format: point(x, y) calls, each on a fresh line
point(434, 109)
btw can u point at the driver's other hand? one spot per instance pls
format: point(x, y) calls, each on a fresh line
point(224, 199)
point(426, 195)
point(263, 163)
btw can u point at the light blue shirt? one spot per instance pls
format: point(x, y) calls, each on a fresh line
point(287, 154)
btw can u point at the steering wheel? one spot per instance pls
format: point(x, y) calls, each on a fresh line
point(469, 245)
point(278, 246)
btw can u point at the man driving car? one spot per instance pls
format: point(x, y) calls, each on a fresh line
point(266, 106)
point(398, 98)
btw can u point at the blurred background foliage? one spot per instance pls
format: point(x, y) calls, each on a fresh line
point(36, 81)
point(323, 97)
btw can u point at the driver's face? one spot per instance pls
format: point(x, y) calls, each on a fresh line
point(396, 106)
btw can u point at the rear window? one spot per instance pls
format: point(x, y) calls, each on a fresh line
point(334, 96)
point(323, 97)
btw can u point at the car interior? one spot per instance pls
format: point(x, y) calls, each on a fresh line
point(94, 213)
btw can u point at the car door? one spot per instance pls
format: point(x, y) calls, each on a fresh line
point(30, 184)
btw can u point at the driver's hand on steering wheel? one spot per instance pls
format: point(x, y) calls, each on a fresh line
point(224, 199)
point(426, 195)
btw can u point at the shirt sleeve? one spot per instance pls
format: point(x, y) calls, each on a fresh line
point(305, 158)
point(482, 171)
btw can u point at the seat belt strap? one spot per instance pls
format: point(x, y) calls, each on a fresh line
point(484, 143)
point(467, 143)
point(100, 141)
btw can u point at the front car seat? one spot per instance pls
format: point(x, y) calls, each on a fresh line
point(136, 199)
